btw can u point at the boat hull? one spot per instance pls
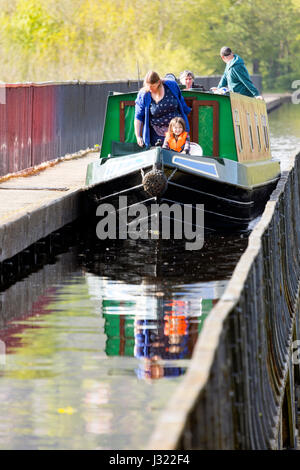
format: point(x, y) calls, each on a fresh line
point(231, 194)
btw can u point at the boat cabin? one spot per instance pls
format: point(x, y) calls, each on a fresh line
point(232, 175)
point(228, 126)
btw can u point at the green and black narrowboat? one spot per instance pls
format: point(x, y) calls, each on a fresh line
point(232, 176)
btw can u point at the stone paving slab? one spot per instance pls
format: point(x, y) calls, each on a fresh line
point(18, 195)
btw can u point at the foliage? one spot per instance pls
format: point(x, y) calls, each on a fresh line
point(42, 40)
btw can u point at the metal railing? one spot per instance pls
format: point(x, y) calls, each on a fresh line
point(41, 122)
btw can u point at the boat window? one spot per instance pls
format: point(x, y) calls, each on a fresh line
point(257, 131)
point(250, 131)
point(238, 129)
point(265, 130)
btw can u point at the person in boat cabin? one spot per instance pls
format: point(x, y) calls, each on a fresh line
point(157, 103)
point(236, 76)
point(187, 78)
point(170, 76)
point(177, 138)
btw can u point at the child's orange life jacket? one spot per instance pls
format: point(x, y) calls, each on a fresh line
point(177, 145)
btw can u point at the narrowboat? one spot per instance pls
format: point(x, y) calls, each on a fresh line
point(229, 173)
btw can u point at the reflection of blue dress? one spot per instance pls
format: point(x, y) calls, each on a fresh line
point(149, 339)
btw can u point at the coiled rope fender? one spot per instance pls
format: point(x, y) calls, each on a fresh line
point(155, 182)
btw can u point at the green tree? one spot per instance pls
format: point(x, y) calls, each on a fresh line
point(60, 40)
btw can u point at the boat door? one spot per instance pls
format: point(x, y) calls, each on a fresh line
point(204, 125)
point(203, 120)
point(127, 109)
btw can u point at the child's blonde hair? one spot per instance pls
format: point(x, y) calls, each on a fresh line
point(176, 120)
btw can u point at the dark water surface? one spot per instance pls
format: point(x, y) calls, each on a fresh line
point(97, 340)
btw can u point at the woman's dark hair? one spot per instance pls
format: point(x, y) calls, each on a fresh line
point(151, 77)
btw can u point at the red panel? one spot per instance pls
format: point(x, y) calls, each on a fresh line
point(3, 145)
point(18, 127)
point(43, 124)
point(27, 127)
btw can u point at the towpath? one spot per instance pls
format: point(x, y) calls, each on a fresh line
point(34, 206)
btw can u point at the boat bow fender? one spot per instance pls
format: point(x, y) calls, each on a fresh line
point(155, 182)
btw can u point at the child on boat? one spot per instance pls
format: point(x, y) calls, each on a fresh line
point(177, 138)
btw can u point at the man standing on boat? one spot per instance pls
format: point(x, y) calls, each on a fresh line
point(236, 77)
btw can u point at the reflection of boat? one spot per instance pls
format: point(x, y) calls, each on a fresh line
point(161, 262)
point(233, 179)
point(159, 330)
point(153, 296)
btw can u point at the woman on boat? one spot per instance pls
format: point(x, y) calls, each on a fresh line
point(177, 138)
point(156, 104)
point(187, 78)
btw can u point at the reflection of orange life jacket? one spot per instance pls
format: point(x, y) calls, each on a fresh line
point(177, 145)
point(175, 325)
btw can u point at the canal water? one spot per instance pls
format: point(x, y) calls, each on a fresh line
point(95, 341)
point(284, 125)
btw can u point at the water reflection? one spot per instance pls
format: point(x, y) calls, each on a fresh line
point(154, 299)
point(160, 331)
point(284, 125)
point(88, 338)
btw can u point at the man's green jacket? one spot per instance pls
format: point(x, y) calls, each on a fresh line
point(237, 78)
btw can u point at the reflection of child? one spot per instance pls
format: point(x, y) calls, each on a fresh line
point(177, 138)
